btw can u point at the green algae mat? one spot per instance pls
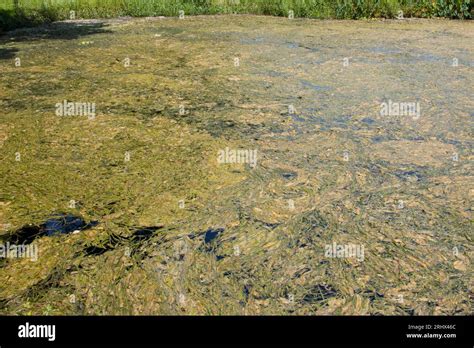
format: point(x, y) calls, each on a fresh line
point(237, 165)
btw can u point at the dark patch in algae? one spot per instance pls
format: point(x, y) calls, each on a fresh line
point(58, 224)
point(319, 293)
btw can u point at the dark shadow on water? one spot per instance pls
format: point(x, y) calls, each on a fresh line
point(113, 241)
point(65, 224)
point(209, 243)
point(45, 26)
point(7, 53)
point(320, 292)
point(94, 250)
point(145, 233)
point(56, 225)
point(52, 31)
point(211, 234)
point(57, 31)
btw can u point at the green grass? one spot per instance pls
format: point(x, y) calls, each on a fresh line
point(32, 12)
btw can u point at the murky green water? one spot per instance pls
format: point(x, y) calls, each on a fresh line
point(304, 97)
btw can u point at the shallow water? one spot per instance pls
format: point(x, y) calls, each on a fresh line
point(332, 171)
point(56, 224)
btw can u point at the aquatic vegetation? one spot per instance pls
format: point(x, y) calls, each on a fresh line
point(180, 232)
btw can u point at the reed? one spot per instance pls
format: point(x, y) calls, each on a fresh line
point(50, 10)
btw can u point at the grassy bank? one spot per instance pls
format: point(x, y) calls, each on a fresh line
point(32, 12)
